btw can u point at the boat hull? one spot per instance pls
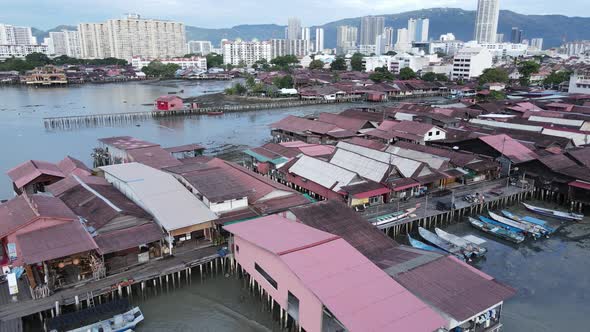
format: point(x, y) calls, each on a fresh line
point(554, 213)
point(484, 225)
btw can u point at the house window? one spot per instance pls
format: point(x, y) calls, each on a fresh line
point(429, 133)
point(293, 306)
point(266, 276)
point(437, 132)
point(237, 248)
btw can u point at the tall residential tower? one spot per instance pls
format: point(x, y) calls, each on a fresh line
point(486, 21)
point(371, 27)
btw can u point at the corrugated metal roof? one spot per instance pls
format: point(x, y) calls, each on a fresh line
point(127, 238)
point(55, 242)
point(368, 168)
point(407, 167)
point(126, 142)
point(323, 173)
point(508, 125)
point(509, 147)
point(159, 193)
point(153, 156)
point(28, 171)
point(565, 122)
point(433, 161)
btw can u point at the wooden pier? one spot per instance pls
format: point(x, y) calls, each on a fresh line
point(156, 274)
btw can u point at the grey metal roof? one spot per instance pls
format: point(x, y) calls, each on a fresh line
point(323, 173)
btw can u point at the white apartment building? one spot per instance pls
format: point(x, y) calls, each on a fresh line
point(447, 37)
point(16, 35)
point(195, 62)
point(537, 44)
point(403, 43)
point(346, 38)
point(95, 40)
point(580, 81)
point(319, 40)
point(21, 51)
point(293, 30)
point(418, 29)
point(399, 61)
point(202, 47)
point(486, 21)
point(449, 47)
point(133, 36)
point(501, 50)
point(576, 47)
point(470, 62)
point(248, 52)
point(65, 42)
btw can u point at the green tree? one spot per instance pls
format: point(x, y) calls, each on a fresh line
point(37, 59)
point(259, 88)
point(493, 96)
point(493, 75)
point(556, 78)
point(160, 70)
point(407, 74)
point(284, 82)
point(316, 64)
point(526, 69)
point(356, 62)
point(381, 74)
point(429, 77)
point(284, 62)
point(338, 64)
point(214, 60)
point(250, 82)
point(335, 77)
point(240, 89)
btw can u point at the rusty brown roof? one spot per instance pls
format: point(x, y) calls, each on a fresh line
point(454, 287)
point(55, 242)
point(127, 238)
point(154, 156)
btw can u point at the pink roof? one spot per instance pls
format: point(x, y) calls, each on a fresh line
point(317, 150)
point(343, 121)
point(28, 171)
point(296, 124)
point(510, 147)
point(278, 235)
point(356, 291)
point(387, 125)
point(126, 142)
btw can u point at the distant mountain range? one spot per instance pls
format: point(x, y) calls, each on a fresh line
point(552, 28)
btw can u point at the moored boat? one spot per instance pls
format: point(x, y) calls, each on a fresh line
point(442, 244)
point(495, 230)
point(528, 219)
point(533, 230)
point(423, 246)
point(118, 323)
point(384, 221)
point(468, 246)
point(570, 216)
point(215, 113)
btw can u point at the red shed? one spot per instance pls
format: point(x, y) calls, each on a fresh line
point(169, 103)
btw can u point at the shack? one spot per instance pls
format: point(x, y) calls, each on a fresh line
point(169, 103)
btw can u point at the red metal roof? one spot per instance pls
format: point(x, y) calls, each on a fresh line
point(372, 193)
point(185, 148)
point(153, 156)
point(127, 238)
point(509, 147)
point(455, 287)
point(297, 124)
point(343, 121)
point(28, 171)
point(55, 242)
point(126, 142)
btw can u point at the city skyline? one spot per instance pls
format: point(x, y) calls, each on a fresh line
point(49, 14)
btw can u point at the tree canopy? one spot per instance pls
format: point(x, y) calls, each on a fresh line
point(316, 64)
point(381, 74)
point(407, 74)
point(39, 59)
point(338, 64)
point(433, 77)
point(284, 62)
point(214, 60)
point(160, 70)
point(284, 82)
point(356, 62)
point(261, 64)
point(526, 69)
point(493, 75)
point(556, 78)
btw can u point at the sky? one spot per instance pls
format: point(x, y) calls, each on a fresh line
point(46, 14)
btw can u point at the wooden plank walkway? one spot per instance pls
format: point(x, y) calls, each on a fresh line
point(148, 271)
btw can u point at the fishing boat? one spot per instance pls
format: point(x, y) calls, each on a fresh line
point(383, 221)
point(497, 231)
point(118, 323)
point(569, 216)
point(423, 246)
point(534, 230)
point(532, 220)
point(468, 246)
point(444, 245)
point(215, 113)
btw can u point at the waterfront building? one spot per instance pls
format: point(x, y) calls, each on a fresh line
point(182, 216)
point(21, 51)
point(293, 29)
point(133, 36)
point(319, 40)
point(194, 62)
point(243, 52)
point(46, 76)
point(418, 29)
point(169, 103)
point(291, 262)
point(470, 62)
point(127, 149)
point(346, 39)
point(371, 27)
point(486, 21)
point(16, 35)
point(200, 47)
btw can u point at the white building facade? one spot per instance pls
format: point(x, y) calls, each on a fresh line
point(470, 62)
point(16, 35)
point(195, 62)
point(346, 38)
point(319, 40)
point(202, 47)
point(486, 21)
point(580, 81)
point(21, 51)
point(246, 52)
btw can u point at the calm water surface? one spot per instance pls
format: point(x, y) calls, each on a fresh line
point(551, 275)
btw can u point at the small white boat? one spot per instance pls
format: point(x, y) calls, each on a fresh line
point(554, 213)
point(118, 323)
point(474, 249)
point(534, 230)
point(384, 221)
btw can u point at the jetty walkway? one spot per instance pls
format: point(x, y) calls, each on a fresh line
point(160, 272)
